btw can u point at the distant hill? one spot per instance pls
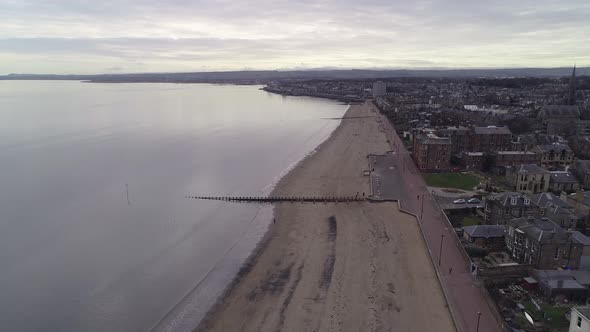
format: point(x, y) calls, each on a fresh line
point(264, 76)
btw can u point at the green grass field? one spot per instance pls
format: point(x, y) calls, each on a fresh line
point(451, 180)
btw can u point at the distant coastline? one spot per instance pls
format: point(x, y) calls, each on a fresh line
point(267, 76)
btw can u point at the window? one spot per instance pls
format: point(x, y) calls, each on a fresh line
point(556, 253)
point(527, 201)
point(513, 200)
point(579, 322)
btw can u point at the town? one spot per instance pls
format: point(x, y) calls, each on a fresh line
point(508, 161)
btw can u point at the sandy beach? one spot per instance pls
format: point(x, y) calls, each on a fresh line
point(337, 267)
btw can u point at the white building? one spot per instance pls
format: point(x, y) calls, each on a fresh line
point(579, 321)
point(379, 89)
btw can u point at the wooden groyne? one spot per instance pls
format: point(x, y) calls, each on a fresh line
point(278, 199)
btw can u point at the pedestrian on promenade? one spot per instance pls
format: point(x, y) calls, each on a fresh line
point(450, 270)
point(274, 221)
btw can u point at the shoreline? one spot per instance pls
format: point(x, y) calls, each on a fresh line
point(325, 266)
point(261, 245)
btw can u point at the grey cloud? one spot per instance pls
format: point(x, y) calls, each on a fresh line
point(286, 33)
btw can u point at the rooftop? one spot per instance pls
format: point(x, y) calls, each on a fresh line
point(508, 198)
point(433, 139)
point(560, 111)
point(555, 147)
point(540, 229)
point(544, 199)
point(484, 231)
point(563, 177)
point(492, 130)
point(564, 284)
point(515, 152)
point(529, 168)
point(584, 311)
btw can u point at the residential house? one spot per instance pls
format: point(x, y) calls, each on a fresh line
point(528, 178)
point(580, 319)
point(581, 169)
point(491, 139)
point(503, 207)
point(549, 199)
point(555, 154)
point(556, 209)
point(563, 181)
point(432, 153)
point(486, 236)
point(539, 241)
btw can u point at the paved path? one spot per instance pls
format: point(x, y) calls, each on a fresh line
point(385, 177)
point(465, 297)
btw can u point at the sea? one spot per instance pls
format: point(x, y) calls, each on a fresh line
point(96, 230)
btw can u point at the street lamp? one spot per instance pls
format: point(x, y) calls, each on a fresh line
point(442, 236)
point(478, 317)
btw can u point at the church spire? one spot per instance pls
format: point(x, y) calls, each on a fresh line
point(571, 93)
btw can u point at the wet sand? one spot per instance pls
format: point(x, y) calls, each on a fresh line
point(337, 267)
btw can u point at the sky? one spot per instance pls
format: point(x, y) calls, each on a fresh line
point(124, 36)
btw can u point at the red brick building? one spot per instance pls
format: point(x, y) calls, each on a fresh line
point(472, 160)
point(491, 139)
point(432, 153)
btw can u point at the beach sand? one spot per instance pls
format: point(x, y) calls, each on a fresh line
point(337, 267)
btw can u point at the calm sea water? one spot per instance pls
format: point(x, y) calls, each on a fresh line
point(75, 256)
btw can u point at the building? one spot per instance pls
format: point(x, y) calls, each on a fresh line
point(486, 236)
point(558, 112)
point(580, 200)
point(581, 169)
point(491, 139)
point(542, 243)
point(503, 207)
point(513, 158)
point(560, 290)
point(555, 154)
point(460, 138)
point(563, 181)
point(432, 153)
point(556, 209)
point(560, 119)
point(581, 145)
point(379, 89)
point(472, 160)
point(543, 200)
point(580, 319)
point(528, 178)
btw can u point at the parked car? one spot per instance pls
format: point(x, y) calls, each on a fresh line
point(473, 200)
point(459, 201)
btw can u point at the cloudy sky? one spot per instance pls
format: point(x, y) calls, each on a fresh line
point(113, 36)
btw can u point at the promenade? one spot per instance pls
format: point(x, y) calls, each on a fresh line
point(464, 293)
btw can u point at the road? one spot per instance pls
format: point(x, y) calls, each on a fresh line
point(464, 295)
